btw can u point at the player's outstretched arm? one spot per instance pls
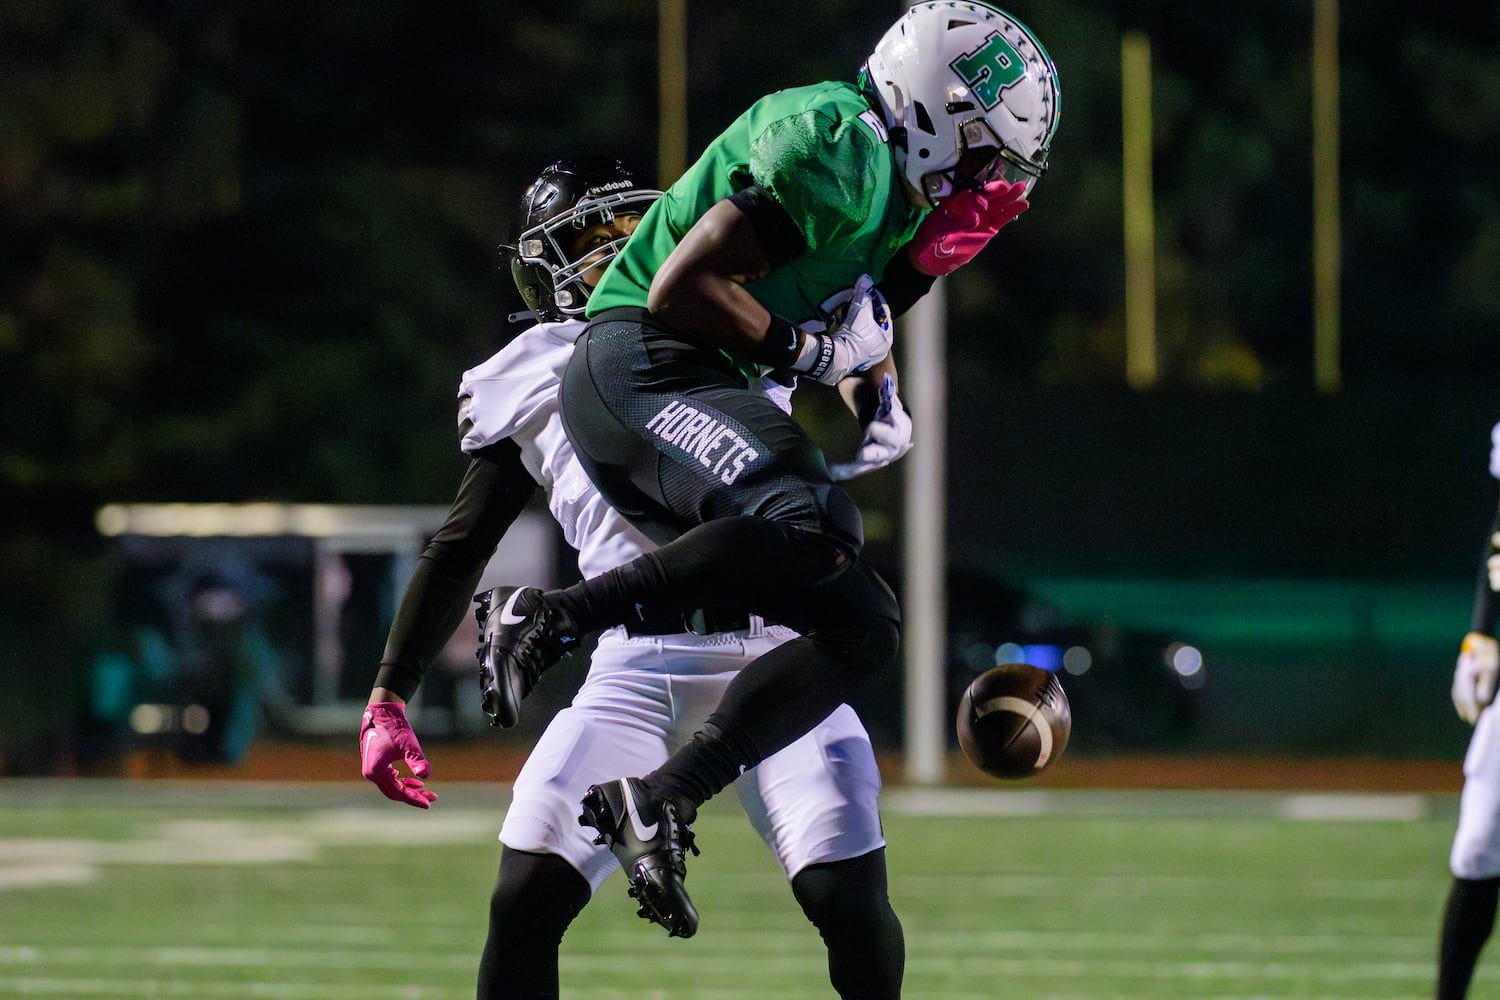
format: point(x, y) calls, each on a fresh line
point(494, 490)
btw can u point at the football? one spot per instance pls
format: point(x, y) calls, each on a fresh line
point(1014, 720)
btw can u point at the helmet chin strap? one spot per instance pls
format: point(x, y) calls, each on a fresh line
point(936, 193)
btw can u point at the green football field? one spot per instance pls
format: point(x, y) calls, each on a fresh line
point(326, 892)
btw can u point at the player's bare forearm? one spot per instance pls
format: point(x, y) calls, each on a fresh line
point(716, 313)
point(380, 694)
point(861, 391)
point(699, 289)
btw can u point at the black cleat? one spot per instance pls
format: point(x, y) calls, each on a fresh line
point(644, 833)
point(520, 640)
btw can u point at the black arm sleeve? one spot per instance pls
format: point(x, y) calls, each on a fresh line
point(1486, 601)
point(902, 284)
point(779, 236)
point(493, 493)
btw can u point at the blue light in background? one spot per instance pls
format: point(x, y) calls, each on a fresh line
point(1048, 657)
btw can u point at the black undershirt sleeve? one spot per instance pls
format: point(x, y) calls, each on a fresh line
point(494, 491)
point(1486, 601)
point(779, 236)
point(782, 242)
point(902, 284)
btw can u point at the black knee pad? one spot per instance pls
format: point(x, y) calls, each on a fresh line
point(841, 895)
point(856, 616)
point(847, 901)
point(536, 896)
point(842, 521)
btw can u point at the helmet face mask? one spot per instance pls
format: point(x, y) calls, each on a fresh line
point(553, 273)
point(982, 158)
point(970, 96)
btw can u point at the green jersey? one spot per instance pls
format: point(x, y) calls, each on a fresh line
point(822, 152)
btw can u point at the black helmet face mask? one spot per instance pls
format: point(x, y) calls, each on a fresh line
point(982, 158)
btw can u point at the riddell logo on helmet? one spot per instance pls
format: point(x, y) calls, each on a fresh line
point(607, 187)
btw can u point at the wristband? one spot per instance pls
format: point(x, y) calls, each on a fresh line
point(781, 344)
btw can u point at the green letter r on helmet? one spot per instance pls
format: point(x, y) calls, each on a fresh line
point(989, 69)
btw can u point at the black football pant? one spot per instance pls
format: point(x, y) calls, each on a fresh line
point(700, 458)
point(675, 436)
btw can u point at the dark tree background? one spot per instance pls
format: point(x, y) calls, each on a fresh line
point(247, 248)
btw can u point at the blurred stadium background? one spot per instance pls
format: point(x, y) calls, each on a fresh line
point(247, 249)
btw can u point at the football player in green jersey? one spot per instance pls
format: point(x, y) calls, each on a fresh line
point(787, 247)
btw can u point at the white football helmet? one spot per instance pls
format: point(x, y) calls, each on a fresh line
point(969, 94)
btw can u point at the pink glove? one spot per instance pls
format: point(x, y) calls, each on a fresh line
point(385, 737)
point(955, 231)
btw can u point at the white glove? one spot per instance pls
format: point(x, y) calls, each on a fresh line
point(887, 437)
point(861, 339)
point(1474, 677)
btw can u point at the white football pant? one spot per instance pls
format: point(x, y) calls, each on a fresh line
point(813, 802)
point(1476, 845)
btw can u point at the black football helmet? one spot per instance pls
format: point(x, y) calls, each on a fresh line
point(570, 195)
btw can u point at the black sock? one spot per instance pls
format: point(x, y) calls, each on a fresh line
point(709, 762)
point(1468, 919)
point(851, 630)
point(772, 702)
point(614, 597)
point(737, 562)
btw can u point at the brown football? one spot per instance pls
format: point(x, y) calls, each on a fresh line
point(1014, 720)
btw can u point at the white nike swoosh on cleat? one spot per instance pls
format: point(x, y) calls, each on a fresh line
point(643, 832)
point(508, 615)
